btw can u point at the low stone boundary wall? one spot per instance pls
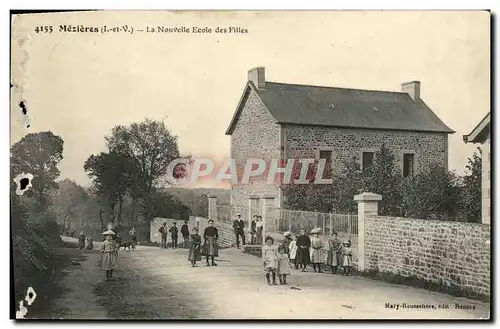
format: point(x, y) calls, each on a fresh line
point(453, 254)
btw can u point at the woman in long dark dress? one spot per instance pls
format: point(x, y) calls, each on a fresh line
point(303, 245)
point(210, 237)
point(253, 229)
point(259, 229)
point(194, 247)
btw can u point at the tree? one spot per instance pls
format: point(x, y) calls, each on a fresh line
point(348, 184)
point(383, 178)
point(310, 196)
point(166, 205)
point(150, 144)
point(38, 154)
point(432, 194)
point(472, 187)
point(68, 203)
point(113, 174)
point(152, 147)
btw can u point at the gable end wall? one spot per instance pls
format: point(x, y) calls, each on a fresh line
point(255, 135)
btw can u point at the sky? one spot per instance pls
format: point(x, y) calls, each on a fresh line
point(81, 85)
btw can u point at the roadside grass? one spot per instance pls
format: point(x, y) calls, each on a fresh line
point(47, 283)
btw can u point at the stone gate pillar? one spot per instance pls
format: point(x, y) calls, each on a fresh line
point(269, 215)
point(212, 207)
point(367, 205)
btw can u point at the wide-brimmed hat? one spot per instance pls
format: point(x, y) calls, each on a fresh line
point(316, 231)
point(287, 233)
point(238, 214)
point(108, 232)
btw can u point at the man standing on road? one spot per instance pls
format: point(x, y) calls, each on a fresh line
point(239, 230)
point(185, 234)
point(163, 230)
point(174, 231)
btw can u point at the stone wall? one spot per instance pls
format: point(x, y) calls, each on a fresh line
point(226, 234)
point(306, 141)
point(448, 253)
point(256, 135)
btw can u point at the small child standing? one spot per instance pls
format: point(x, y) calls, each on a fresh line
point(109, 249)
point(283, 262)
point(194, 247)
point(293, 251)
point(270, 260)
point(346, 252)
point(317, 246)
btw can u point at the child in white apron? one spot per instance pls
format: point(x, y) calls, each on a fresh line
point(270, 259)
point(283, 262)
point(293, 251)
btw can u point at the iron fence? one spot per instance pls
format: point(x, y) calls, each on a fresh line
point(227, 213)
point(295, 220)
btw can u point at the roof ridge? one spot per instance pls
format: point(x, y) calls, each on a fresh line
point(330, 87)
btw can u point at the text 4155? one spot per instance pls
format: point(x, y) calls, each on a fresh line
point(44, 29)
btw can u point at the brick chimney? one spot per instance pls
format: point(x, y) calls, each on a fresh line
point(258, 77)
point(411, 88)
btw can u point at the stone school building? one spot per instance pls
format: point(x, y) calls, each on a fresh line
point(284, 121)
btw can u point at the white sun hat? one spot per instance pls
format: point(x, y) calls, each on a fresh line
point(317, 230)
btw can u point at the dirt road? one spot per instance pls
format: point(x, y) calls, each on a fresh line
point(159, 284)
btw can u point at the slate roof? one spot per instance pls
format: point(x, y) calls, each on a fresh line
point(480, 132)
point(349, 108)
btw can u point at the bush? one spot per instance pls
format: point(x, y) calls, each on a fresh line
point(35, 235)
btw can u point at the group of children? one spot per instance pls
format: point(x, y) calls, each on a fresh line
point(275, 260)
point(302, 250)
point(82, 239)
point(209, 248)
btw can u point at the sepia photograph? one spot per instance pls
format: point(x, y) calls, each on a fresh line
point(250, 165)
